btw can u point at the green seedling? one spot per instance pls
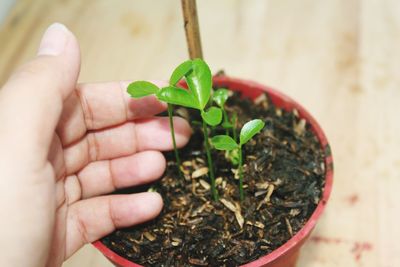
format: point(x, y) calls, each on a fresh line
point(219, 97)
point(227, 143)
point(199, 80)
point(141, 89)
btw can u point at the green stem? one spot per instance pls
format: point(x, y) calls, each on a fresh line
point(210, 165)
point(171, 125)
point(225, 120)
point(234, 126)
point(241, 193)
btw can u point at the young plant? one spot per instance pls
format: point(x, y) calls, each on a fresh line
point(199, 80)
point(219, 97)
point(140, 89)
point(227, 143)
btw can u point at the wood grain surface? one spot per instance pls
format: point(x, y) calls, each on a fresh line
point(339, 58)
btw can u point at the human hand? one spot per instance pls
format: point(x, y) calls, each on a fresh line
point(64, 147)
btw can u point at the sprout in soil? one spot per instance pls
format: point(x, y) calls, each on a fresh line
point(199, 80)
point(140, 89)
point(220, 96)
point(225, 142)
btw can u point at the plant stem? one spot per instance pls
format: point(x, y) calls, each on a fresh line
point(209, 160)
point(171, 125)
point(241, 174)
point(234, 125)
point(225, 120)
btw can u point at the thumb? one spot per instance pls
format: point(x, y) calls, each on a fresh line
point(31, 100)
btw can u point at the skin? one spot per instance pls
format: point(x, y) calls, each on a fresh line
point(64, 148)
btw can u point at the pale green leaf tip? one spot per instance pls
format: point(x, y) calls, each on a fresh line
point(247, 133)
point(181, 71)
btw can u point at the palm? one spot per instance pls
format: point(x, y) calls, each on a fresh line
point(104, 141)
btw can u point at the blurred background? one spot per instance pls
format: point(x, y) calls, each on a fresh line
point(339, 58)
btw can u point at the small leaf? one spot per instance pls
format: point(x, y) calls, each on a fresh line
point(224, 142)
point(250, 129)
point(220, 96)
point(213, 116)
point(199, 81)
point(142, 88)
point(180, 71)
point(177, 96)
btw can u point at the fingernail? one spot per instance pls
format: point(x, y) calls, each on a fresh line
point(54, 40)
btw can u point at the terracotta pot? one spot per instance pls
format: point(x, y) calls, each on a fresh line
point(287, 254)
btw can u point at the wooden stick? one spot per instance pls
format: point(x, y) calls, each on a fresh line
point(192, 28)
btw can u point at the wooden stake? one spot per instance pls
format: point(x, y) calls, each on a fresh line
point(192, 28)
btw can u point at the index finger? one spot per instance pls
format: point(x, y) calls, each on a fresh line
point(96, 106)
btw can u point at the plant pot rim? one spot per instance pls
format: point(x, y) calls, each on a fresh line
point(287, 103)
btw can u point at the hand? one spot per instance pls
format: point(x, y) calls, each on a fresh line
point(64, 147)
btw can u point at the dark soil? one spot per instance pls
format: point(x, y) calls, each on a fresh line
point(283, 177)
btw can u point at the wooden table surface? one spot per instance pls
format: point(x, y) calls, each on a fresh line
point(339, 58)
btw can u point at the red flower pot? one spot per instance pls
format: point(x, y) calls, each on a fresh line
point(287, 254)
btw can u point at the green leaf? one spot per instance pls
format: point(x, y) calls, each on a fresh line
point(224, 142)
point(142, 88)
point(220, 96)
point(199, 81)
point(177, 96)
point(213, 116)
point(180, 72)
point(250, 129)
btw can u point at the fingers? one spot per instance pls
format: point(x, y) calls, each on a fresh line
point(91, 219)
point(56, 158)
point(100, 105)
point(102, 177)
point(125, 140)
point(31, 100)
